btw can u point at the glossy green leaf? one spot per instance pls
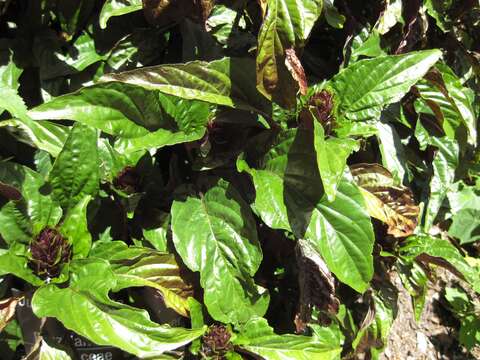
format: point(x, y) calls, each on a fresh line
point(143, 119)
point(452, 103)
point(158, 236)
point(24, 218)
point(189, 120)
point(466, 226)
point(116, 8)
point(442, 249)
point(11, 263)
point(392, 150)
point(461, 196)
point(366, 86)
point(444, 164)
point(332, 154)
point(75, 228)
point(85, 53)
point(92, 314)
point(9, 74)
point(257, 337)
point(46, 136)
point(136, 266)
point(41, 134)
point(365, 43)
point(215, 233)
point(228, 81)
point(391, 16)
point(289, 196)
point(75, 172)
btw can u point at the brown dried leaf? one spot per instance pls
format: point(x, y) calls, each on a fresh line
point(293, 64)
point(7, 310)
point(394, 205)
point(317, 287)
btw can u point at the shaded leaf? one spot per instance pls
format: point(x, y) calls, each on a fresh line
point(317, 287)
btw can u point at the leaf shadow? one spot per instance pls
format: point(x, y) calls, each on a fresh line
point(302, 184)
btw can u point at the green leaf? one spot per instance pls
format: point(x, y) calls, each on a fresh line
point(286, 27)
point(466, 226)
point(469, 334)
point(332, 154)
point(289, 196)
point(461, 196)
point(85, 308)
point(45, 136)
point(365, 43)
point(75, 228)
point(366, 86)
point(332, 15)
point(228, 81)
point(9, 75)
point(391, 16)
point(85, 53)
point(158, 236)
point(441, 249)
point(75, 172)
point(392, 150)
point(445, 97)
point(438, 9)
point(215, 233)
point(136, 266)
point(229, 27)
point(183, 121)
point(257, 337)
point(143, 119)
point(11, 263)
point(41, 134)
point(116, 8)
point(444, 165)
point(24, 218)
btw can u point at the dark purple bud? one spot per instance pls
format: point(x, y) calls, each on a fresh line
point(322, 106)
point(128, 180)
point(216, 342)
point(49, 251)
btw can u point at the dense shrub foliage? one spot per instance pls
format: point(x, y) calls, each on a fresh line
point(208, 179)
